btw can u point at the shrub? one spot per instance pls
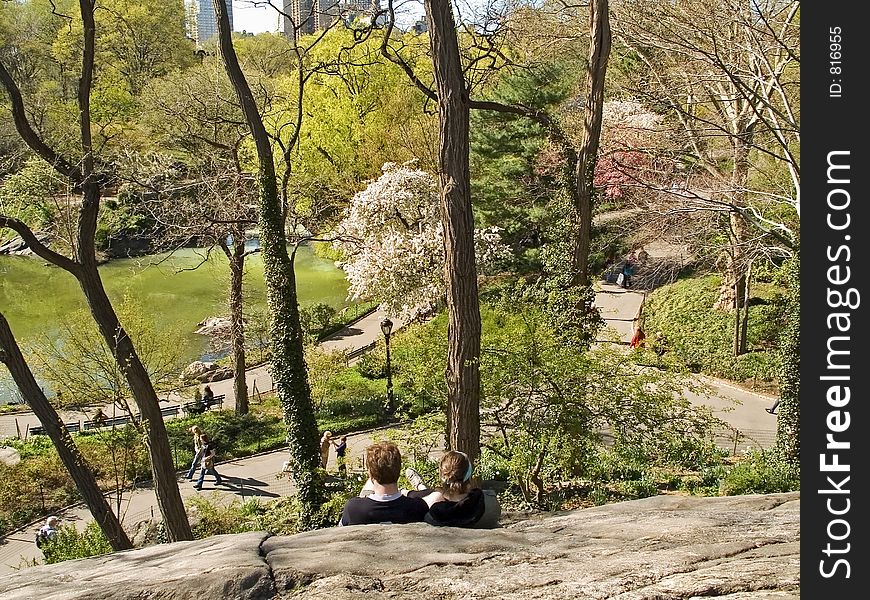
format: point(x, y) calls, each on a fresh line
point(760, 472)
point(69, 544)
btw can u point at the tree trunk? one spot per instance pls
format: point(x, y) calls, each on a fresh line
point(237, 271)
point(89, 182)
point(744, 324)
point(599, 52)
point(162, 465)
point(460, 271)
point(788, 421)
point(288, 362)
point(76, 465)
point(738, 228)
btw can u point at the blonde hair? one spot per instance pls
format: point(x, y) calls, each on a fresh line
point(454, 471)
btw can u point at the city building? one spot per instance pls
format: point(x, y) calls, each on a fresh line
point(200, 22)
point(304, 17)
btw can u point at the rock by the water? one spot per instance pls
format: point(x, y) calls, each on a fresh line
point(214, 326)
point(205, 372)
point(738, 547)
point(16, 246)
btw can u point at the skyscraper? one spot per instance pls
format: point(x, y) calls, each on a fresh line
point(307, 16)
point(201, 24)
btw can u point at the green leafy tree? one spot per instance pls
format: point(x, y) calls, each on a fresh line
point(78, 362)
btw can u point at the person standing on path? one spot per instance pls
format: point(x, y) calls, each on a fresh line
point(197, 450)
point(209, 451)
point(340, 456)
point(325, 443)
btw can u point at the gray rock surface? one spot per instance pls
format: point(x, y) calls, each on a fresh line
point(740, 548)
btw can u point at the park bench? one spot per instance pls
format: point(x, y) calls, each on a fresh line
point(195, 408)
point(71, 427)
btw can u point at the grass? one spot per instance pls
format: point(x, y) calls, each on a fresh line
point(700, 337)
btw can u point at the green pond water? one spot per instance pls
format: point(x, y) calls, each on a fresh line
point(177, 291)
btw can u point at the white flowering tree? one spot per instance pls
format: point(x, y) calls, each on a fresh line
point(392, 241)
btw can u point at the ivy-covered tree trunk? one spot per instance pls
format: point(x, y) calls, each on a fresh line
point(285, 331)
point(72, 459)
point(237, 321)
point(599, 52)
point(463, 308)
point(788, 426)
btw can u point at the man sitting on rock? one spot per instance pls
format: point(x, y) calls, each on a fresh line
point(384, 503)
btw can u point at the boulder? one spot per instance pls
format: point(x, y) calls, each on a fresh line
point(738, 547)
point(9, 456)
point(214, 326)
point(205, 372)
point(17, 246)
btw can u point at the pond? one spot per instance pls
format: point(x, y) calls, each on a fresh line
point(177, 291)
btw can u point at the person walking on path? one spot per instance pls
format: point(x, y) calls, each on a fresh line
point(325, 444)
point(340, 456)
point(628, 270)
point(197, 450)
point(772, 409)
point(48, 531)
point(208, 457)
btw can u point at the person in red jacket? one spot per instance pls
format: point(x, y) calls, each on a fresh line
point(637, 338)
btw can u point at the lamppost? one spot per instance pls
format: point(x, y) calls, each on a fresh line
point(387, 328)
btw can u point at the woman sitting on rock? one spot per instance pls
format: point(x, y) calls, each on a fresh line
point(456, 503)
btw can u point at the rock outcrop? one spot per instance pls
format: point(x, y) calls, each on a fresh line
point(205, 372)
point(17, 247)
point(739, 547)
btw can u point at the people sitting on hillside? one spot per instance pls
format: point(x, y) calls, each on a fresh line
point(380, 500)
point(457, 503)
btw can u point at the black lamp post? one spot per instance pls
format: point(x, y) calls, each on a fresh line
point(387, 328)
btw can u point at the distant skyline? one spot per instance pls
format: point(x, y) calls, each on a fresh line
point(259, 19)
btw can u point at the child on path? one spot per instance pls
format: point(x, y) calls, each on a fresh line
point(340, 456)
